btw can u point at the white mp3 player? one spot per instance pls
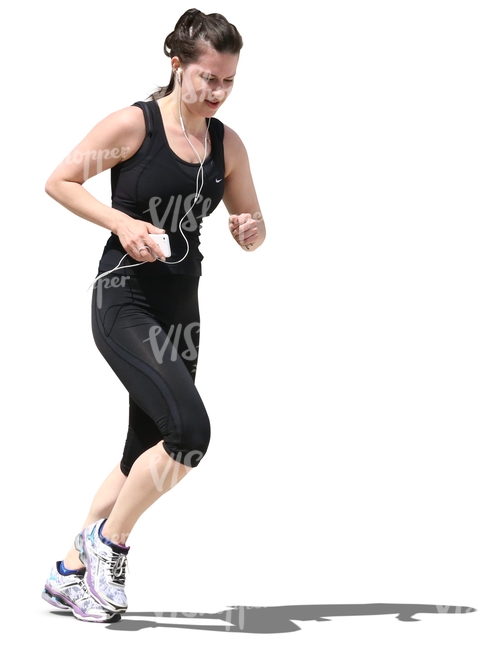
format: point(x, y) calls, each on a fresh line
point(163, 241)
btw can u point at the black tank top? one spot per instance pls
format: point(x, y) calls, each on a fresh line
point(157, 186)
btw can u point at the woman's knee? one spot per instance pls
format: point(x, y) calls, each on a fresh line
point(190, 446)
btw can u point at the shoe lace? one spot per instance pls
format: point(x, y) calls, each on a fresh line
point(118, 566)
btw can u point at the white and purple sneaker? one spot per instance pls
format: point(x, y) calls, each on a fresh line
point(71, 593)
point(106, 564)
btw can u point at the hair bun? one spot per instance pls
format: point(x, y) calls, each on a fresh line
point(187, 19)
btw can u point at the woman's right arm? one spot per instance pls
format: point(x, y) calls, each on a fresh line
point(116, 138)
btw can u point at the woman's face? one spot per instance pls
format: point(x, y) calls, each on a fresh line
point(206, 83)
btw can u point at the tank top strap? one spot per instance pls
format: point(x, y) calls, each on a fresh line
point(148, 115)
point(217, 135)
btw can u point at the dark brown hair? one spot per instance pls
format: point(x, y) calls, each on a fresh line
point(193, 31)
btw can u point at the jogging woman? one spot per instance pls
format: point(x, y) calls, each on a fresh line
point(171, 163)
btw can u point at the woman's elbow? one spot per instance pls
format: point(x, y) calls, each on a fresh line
point(50, 187)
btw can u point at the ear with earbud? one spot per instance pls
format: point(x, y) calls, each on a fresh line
point(178, 75)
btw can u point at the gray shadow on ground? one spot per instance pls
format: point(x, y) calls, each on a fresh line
point(274, 620)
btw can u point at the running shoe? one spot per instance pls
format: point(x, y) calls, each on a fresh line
point(71, 593)
point(106, 564)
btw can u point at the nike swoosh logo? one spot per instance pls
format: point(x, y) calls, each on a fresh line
point(217, 180)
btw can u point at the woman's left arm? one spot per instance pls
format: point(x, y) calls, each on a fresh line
point(246, 222)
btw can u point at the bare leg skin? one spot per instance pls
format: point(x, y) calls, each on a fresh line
point(153, 474)
point(101, 507)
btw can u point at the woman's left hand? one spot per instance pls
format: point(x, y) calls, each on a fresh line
point(245, 229)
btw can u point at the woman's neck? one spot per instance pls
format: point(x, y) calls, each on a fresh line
point(179, 115)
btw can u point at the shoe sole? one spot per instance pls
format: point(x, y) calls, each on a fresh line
point(80, 547)
point(53, 600)
point(62, 603)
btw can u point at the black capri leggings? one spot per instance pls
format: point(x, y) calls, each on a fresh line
point(147, 328)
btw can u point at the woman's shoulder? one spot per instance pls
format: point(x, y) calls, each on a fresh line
point(234, 146)
point(126, 123)
point(235, 152)
point(129, 118)
point(125, 126)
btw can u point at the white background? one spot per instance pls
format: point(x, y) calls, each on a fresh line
point(343, 364)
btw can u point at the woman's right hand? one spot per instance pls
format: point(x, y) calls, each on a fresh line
point(134, 237)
